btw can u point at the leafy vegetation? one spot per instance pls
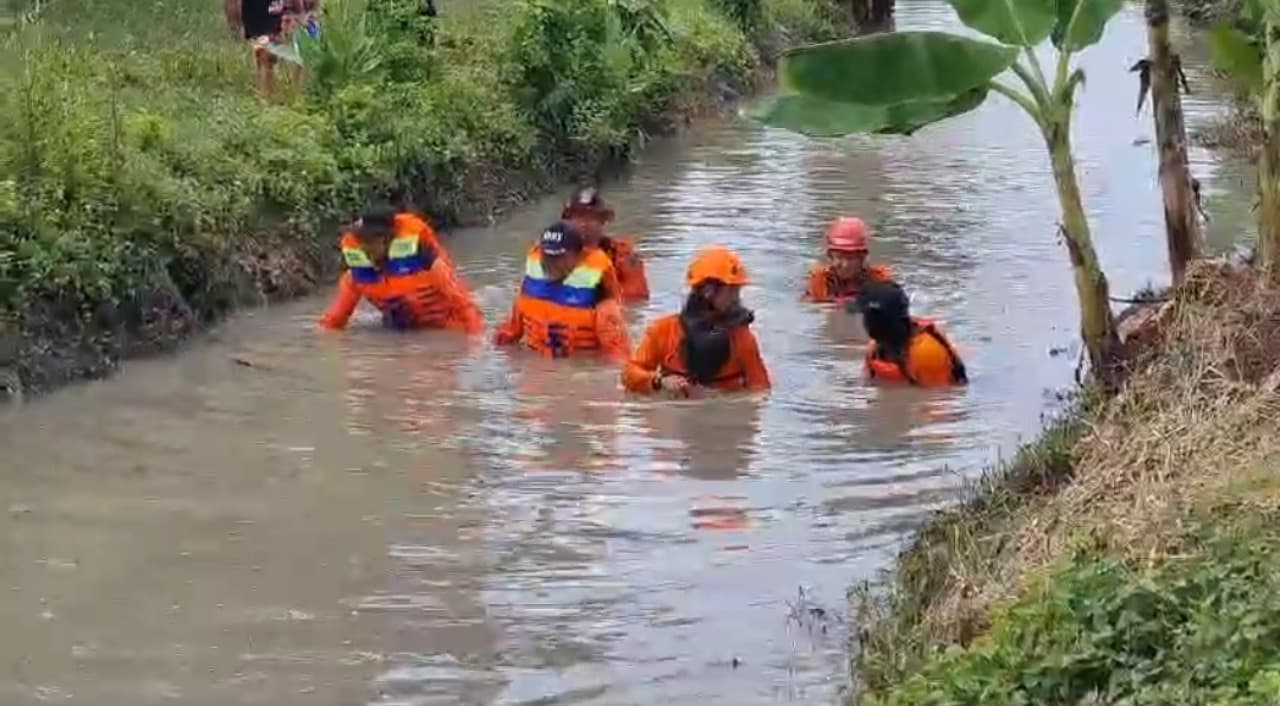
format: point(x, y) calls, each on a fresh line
point(137, 165)
point(1198, 628)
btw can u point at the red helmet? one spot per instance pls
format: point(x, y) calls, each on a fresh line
point(848, 234)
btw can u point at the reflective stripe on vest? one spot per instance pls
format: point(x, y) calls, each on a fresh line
point(559, 317)
point(578, 290)
point(362, 268)
point(404, 258)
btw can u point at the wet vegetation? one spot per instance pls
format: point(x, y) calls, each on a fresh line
point(145, 189)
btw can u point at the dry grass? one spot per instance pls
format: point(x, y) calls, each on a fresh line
point(1197, 427)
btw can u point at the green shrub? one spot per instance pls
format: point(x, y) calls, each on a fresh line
point(708, 41)
point(748, 15)
point(589, 73)
point(1199, 628)
point(109, 190)
point(807, 20)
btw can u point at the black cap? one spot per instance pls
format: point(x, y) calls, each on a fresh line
point(377, 220)
point(559, 238)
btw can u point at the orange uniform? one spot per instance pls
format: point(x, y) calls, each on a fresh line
point(415, 289)
point(575, 316)
point(930, 360)
point(661, 353)
point(633, 283)
point(823, 286)
point(410, 224)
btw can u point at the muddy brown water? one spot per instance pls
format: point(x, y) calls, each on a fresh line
point(279, 516)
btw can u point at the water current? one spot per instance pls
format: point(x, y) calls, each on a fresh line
point(280, 516)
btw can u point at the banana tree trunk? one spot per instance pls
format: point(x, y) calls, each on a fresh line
point(1182, 227)
point(1097, 326)
point(1269, 158)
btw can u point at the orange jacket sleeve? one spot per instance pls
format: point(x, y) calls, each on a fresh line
point(344, 304)
point(510, 331)
point(615, 344)
point(748, 353)
point(644, 363)
point(817, 289)
point(632, 279)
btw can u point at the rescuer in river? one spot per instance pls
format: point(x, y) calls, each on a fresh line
point(396, 263)
point(846, 268)
point(566, 306)
point(589, 213)
point(709, 344)
point(903, 348)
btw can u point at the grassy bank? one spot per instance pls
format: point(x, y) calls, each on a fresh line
point(1129, 556)
point(145, 190)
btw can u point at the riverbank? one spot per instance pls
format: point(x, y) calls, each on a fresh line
point(1129, 555)
point(146, 191)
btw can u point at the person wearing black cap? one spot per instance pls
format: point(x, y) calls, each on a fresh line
point(589, 213)
point(564, 307)
point(904, 348)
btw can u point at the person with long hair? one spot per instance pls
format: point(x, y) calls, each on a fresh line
point(903, 348)
point(709, 344)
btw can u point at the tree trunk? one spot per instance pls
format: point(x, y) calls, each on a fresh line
point(1182, 226)
point(1097, 326)
point(1269, 158)
point(872, 16)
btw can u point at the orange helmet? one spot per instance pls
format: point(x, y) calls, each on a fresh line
point(848, 234)
point(719, 263)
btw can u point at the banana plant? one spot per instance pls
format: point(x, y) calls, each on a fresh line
point(897, 83)
point(1249, 50)
point(1160, 73)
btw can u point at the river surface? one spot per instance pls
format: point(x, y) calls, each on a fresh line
point(280, 516)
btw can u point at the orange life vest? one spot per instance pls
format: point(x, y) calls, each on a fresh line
point(823, 286)
point(558, 319)
point(889, 371)
point(407, 290)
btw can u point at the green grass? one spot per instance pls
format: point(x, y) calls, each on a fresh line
point(1199, 627)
